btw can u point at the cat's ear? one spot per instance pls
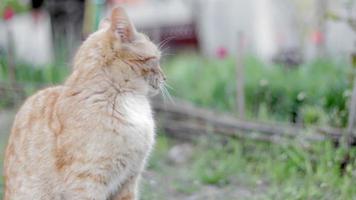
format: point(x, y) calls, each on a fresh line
point(121, 25)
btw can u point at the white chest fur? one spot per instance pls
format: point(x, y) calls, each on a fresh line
point(133, 138)
point(137, 112)
point(135, 130)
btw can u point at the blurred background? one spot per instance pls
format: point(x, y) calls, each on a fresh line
point(262, 101)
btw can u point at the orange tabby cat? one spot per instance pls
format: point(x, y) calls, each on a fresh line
point(89, 138)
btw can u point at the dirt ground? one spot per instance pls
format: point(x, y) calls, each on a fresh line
point(157, 186)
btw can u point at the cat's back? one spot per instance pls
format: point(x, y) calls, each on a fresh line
point(38, 110)
point(31, 140)
point(38, 106)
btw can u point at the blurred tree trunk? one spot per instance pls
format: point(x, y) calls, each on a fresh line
point(352, 113)
point(240, 93)
point(67, 25)
point(320, 33)
point(10, 57)
point(11, 64)
point(351, 129)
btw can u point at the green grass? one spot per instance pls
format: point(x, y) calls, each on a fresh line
point(3, 141)
point(35, 75)
point(285, 171)
point(316, 92)
point(29, 78)
point(290, 171)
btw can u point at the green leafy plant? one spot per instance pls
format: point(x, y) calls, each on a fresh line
point(280, 92)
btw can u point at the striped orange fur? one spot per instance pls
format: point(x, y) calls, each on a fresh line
point(90, 137)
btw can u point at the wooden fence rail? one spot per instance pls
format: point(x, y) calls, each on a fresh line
point(183, 119)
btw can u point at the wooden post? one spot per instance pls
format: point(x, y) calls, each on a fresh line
point(321, 9)
point(352, 113)
point(352, 110)
point(240, 93)
point(10, 56)
point(11, 64)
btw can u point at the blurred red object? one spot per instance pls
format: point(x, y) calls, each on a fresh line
point(8, 14)
point(317, 37)
point(221, 52)
point(127, 2)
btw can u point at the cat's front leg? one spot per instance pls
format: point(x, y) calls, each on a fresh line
point(128, 190)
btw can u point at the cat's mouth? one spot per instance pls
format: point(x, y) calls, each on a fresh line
point(155, 87)
point(156, 79)
point(156, 83)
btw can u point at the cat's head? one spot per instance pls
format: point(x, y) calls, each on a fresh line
point(131, 54)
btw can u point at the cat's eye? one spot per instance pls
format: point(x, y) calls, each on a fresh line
point(148, 59)
point(145, 59)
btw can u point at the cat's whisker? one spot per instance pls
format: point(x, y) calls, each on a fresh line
point(162, 94)
point(165, 41)
point(165, 50)
point(168, 54)
point(166, 94)
point(168, 86)
point(169, 96)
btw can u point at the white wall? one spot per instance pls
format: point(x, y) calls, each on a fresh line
point(32, 39)
point(269, 26)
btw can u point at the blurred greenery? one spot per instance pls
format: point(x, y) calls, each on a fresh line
point(16, 5)
point(273, 92)
point(2, 148)
point(3, 141)
point(30, 78)
point(35, 75)
point(314, 93)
